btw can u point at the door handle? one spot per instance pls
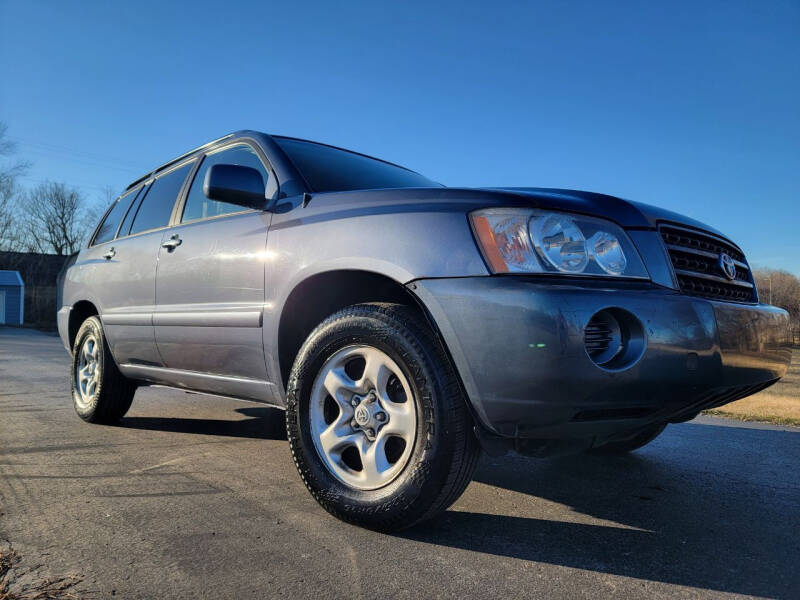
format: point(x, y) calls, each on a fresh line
point(110, 254)
point(173, 242)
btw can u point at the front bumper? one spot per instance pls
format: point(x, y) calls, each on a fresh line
point(62, 319)
point(518, 345)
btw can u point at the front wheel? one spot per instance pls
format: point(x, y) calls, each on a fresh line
point(376, 421)
point(100, 393)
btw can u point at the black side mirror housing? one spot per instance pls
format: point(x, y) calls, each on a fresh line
point(235, 184)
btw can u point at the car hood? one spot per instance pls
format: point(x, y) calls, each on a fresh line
point(626, 213)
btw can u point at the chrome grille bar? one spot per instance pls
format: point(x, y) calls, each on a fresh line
point(696, 261)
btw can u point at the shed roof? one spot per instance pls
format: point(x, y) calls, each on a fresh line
point(10, 278)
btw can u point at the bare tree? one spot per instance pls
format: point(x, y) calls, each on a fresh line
point(10, 171)
point(97, 209)
point(55, 219)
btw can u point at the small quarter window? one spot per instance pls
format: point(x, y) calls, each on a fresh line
point(197, 205)
point(156, 208)
point(125, 228)
point(109, 225)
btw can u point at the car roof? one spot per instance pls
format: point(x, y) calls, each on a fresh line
point(246, 133)
point(181, 157)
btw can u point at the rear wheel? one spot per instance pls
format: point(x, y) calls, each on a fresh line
point(641, 438)
point(100, 393)
point(376, 420)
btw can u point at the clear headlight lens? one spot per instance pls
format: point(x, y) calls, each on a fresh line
point(559, 242)
point(607, 252)
point(533, 241)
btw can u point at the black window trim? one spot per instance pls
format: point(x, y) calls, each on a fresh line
point(178, 199)
point(131, 192)
point(143, 184)
point(175, 221)
point(133, 209)
point(100, 224)
point(135, 203)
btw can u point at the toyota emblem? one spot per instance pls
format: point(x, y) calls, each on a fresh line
point(728, 266)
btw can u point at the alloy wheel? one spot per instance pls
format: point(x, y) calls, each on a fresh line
point(87, 371)
point(363, 417)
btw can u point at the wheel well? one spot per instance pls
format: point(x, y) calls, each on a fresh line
point(80, 312)
point(322, 295)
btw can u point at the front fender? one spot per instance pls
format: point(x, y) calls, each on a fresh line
point(418, 238)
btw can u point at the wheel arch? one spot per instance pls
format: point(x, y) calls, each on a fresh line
point(318, 296)
point(81, 310)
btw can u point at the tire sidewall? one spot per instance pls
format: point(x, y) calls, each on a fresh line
point(90, 326)
point(429, 461)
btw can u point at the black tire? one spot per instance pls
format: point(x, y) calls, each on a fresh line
point(445, 451)
point(641, 438)
point(113, 393)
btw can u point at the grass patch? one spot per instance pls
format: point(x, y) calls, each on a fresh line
point(779, 404)
point(23, 584)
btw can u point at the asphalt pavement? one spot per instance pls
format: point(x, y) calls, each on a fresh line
point(197, 497)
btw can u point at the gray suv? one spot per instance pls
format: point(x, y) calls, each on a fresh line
point(403, 325)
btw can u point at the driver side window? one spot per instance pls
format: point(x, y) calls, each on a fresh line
point(197, 205)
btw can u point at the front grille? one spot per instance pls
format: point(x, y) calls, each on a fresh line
point(695, 257)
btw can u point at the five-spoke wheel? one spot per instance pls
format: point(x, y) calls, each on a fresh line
point(363, 417)
point(376, 421)
point(100, 393)
point(87, 371)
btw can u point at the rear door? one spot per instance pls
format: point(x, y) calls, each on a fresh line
point(210, 286)
point(125, 277)
point(105, 268)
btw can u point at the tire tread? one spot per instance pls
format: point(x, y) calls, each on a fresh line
point(401, 320)
point(116, 391)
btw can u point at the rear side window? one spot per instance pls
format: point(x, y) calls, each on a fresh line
point(109, 225)
point(200, 207)
point(156, 208)
point(125, 228)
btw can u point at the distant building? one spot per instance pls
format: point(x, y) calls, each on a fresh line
point(40, 274)
point(12, 298)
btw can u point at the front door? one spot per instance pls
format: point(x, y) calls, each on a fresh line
point(210, 289)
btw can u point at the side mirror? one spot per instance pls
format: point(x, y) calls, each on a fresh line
point(235, 184)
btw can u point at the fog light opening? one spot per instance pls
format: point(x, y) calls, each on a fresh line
point(614, 339)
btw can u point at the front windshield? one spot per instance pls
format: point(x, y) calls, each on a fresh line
point(329, 169)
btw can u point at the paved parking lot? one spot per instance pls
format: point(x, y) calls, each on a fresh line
point(193, 496)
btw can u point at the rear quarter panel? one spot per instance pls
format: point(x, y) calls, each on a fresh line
point(123, 291)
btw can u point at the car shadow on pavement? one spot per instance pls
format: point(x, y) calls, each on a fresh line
point(707, 506)
point(265, 423)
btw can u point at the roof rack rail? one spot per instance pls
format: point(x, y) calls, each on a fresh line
point(178, 159)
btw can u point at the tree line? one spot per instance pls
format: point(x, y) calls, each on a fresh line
point(780, 288)
point(48, 218)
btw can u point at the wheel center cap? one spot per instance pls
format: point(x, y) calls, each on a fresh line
point(362, 415)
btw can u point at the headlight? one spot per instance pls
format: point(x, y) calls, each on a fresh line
point(534, 241)
point(560, 242)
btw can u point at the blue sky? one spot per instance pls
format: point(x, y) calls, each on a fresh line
point(694, 106)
